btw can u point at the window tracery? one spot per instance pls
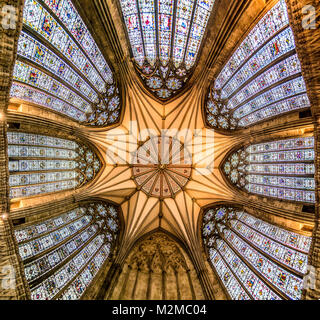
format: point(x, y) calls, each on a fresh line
point(41, 164)
point(60, 66)
point(282, 169)
point(262, 79)
point(252, 258)
point(62, 255)
point(165, 38)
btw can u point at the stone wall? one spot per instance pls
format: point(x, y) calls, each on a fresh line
point(157, 268)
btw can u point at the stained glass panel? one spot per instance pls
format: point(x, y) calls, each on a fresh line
point(33, 50)
point(252, 257)
point(267, 27)
point(62, 255)
point(282, 169)
point(61, 164)
point(262, 79)
point(38, 97)
point(91, 95)
point(165, 38)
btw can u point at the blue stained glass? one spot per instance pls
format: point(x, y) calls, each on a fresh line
point(38, 97)
point(278, 108)
point(273, 50)
point(36, 17)
point(43, 164)
point(280, 92)
point(169, 32)
point(281, 169)
point(36, 78)
point(268, 26)
point(232, 285)
point(33, 50)
point(244, 93)
point(283, 280)
point(73, 57)
point(62, 255)
point(282, 70)
point(73, 22)
point(248, 255)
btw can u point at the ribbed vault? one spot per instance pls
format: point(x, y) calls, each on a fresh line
point(143, 118)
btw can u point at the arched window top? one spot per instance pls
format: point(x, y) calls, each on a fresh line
point(282, 169)
point(252, 258)
point(262, 79)
point(41, 164)
point(62, 255)
point(60, 66)
point(165, 38)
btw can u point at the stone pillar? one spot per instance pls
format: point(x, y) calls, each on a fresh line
point(191, 285)
point(108, 284)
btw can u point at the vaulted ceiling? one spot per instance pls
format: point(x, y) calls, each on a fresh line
point(146, 116)
point(147, 109)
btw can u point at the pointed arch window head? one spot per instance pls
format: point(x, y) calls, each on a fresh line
point(41, 164)
point(165, 38)
point(253, 259)
point(60, 67)
point(282, 169)
point(62, 255)
point(261, 80)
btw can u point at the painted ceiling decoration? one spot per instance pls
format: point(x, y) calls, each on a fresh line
point(170, 173)
point(41, 164)
point(261, 80)
point(60, 67)
point(165, 38)
point(253, 259)
point(62, 255)
point(162, 167)
point(282, 169)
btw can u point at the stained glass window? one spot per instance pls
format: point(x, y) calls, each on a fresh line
point(62, 255)
point(262, 79)
point(86, 90)
point(165, 38)
point(282, 169)
point(253, 259)
point(41, 164)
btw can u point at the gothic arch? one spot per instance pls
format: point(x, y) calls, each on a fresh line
point(157, 267)
point(43, 161)
point(261, 80)
point(252, 258)
point(279, 163)
point(59, 67)
point(62, 253)
point(165, 71)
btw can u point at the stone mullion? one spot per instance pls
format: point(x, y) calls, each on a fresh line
point(207, 286)
point(125, 282)
point(190, 284)
point(107, 288)
point(149, 287)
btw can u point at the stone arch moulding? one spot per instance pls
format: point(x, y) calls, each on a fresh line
point(79, 84)
point(156, 267)
point(250, 163)
point(63, 254)
point(261, 80)
point(252, 258)
point(44, 161)
point(165, 72)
